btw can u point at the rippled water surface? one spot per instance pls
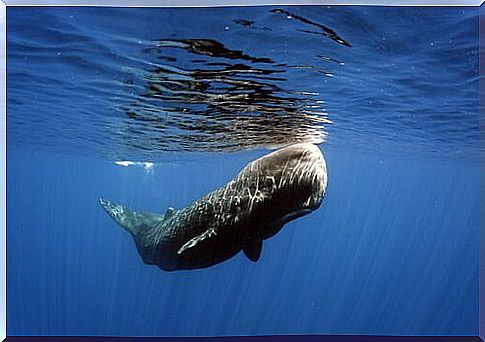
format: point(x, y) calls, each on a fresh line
point(125, 83)
point(155, 107)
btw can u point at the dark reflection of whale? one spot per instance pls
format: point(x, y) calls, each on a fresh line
point(252, 207)
point(209, 47)
point(201, 95)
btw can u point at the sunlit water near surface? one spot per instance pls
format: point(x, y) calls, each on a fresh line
point(155, 107)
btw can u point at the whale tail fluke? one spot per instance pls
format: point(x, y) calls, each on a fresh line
point(131, 220)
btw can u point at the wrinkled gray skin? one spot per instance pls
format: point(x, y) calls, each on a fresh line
point(252, 207)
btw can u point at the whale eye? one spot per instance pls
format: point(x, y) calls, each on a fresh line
point(235, 204)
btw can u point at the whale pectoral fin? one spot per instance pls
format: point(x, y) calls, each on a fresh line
point(194, 241)
point(253, 251)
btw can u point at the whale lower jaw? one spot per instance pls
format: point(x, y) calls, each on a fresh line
point(290, 217)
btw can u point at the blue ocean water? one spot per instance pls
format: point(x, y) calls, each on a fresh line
point(182, 99)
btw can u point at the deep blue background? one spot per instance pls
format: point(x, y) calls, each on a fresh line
point(393, 250)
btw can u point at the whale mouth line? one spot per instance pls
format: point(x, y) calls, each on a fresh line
point(296, 214)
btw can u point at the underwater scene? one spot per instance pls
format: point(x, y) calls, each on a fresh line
point(230, 171)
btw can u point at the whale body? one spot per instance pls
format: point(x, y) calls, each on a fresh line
point(252, 207)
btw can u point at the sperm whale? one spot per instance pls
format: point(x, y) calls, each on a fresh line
point(252, 207)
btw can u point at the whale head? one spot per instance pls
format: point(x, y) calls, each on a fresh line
point(284, 184)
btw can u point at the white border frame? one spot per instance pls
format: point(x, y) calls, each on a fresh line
point(195, 3)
